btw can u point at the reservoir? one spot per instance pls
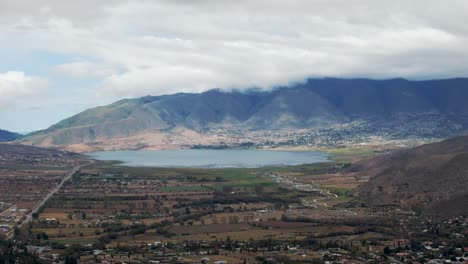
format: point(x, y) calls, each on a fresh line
point(207, 158)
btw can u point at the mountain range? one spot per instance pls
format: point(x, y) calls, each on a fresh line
point(6, 136)
point(357, 108)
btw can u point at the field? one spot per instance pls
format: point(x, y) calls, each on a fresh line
point(26, 177)
point(109, 205)
point(292, 214)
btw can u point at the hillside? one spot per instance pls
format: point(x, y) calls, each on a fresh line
point(353, 107)
point(21, 155)
point(6, 136)
point(432, 178)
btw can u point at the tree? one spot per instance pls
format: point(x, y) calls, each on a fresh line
point(387, 250)
point(259, 189)
point(227, 189)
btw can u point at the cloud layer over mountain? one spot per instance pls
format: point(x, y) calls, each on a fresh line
point(135, 48)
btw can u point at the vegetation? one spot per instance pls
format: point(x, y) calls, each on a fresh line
point(292, 214)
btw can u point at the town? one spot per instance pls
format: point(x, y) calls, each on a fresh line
point(109, 213)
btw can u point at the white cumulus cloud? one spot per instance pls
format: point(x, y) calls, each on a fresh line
point(15, 85)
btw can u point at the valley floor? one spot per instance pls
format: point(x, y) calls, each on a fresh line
point(108, 213)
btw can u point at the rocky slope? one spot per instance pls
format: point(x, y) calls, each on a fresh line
point(432, 178)
point(185, 119)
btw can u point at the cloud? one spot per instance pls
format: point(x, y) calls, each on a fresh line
point(15, 85)
point(168, 46)
point(84, 69)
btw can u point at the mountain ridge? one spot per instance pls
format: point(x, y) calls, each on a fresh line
point(314, 104)
point(6, 136)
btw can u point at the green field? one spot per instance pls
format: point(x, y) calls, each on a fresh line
point(186, 188)
point(349, 154)
point(235, 177)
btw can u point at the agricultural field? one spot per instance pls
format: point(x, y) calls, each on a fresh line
point(26, 177)
point(153, 210)
point(107, 212)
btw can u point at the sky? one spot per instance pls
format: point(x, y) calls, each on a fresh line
point(58, 57)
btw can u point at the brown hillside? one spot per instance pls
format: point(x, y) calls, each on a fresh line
point(432, 178)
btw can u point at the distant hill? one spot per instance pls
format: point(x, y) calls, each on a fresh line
point(9, 149)
point(21, 156)
point(432, 178)
point(6, 136)
point(381, 107)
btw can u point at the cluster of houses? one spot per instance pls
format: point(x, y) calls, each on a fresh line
point(10, 217)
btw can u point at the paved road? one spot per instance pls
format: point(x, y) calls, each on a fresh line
point(51, 193)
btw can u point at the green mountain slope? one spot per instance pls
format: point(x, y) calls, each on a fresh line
point(315, 104)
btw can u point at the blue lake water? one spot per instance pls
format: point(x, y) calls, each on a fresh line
point(207, 158)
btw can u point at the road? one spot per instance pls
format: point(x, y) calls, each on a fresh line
point(394, 260)
point(303, 186)
point(7, 210)
point(51, 193)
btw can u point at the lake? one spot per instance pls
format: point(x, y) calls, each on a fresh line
point(207, 158)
